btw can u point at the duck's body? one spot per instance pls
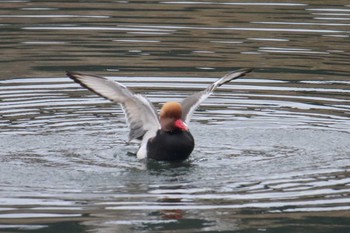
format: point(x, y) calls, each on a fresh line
point(170, 145)
point(166, 137)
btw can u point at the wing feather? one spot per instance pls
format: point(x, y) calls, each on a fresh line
point(190, 104)
point(140, 113)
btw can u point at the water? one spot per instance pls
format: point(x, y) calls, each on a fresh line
point(272, 149)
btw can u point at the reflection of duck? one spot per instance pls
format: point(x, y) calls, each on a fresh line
point(163, 138)
point(172, 214)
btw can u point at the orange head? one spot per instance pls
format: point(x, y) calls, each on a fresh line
point(170, 117)
point(171, 110)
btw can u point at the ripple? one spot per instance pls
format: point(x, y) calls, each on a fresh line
point(100, 29)
point(329, 9)
point(137, 41)
point(271, 148)
point(55, 16)
point(34, 96)
point(169, 27)
point(237, 3)
point(38, 215)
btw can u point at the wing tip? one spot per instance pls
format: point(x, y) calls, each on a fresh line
point(234, 75)
point(79, 79)
point(247, 70)
point(70, 73)
point(244, 71)
point(239, 73)
point(73, 75)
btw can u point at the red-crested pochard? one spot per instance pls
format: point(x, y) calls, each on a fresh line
point(166, 137)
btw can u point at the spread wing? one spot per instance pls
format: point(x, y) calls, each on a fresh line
point(190, 104)
point(140, 113)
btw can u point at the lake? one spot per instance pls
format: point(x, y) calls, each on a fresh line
point(272, 149)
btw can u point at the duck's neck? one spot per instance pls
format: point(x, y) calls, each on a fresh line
point(167, 124)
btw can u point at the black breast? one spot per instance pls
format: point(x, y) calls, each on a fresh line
point(170, 146)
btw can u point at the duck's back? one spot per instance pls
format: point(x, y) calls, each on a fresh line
point(170, 146)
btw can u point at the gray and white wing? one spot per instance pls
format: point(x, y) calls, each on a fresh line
point(140, 113)
point(190, 104)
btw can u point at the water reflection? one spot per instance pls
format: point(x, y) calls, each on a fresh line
point(272, 148)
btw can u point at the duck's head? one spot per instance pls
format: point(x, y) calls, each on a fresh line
point(170, 117)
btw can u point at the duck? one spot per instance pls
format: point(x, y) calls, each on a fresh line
point(164, 136)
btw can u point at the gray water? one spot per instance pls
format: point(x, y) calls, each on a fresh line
point(272, 149)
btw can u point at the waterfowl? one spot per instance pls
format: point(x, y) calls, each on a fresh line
point(165, 137)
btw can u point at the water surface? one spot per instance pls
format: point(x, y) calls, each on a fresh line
point(272, 149)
